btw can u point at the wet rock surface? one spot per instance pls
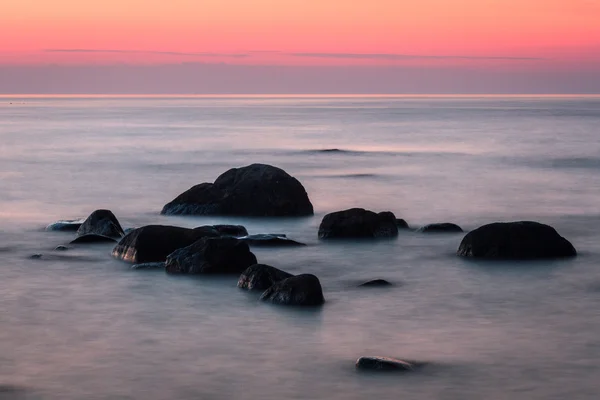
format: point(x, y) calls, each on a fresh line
point(358, 223)
point(515, 240)
point(261, 277)
point(254, 190)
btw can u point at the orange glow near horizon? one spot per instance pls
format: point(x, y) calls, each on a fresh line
point(325, 32)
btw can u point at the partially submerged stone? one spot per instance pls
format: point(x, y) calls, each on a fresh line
point(299, 290)
point(358, 223)
point(71, 225)
point(101, 222)
point(515, 240)
point(153, 243)
point(254, 190)
point(376, 283)
point(383, 364)
point(444, 227)
point(261, 277)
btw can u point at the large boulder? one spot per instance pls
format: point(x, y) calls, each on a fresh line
point(358, 223)
point(515, 240)
point(101, 222)
point(255, 190)
point(224, 255)
point(261, 277)
point(299, 290)
point(153, 243)
point(443, 227)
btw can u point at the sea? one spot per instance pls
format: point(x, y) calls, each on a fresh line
point(79, 324)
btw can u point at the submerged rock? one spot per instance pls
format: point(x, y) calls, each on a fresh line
point(65, 225)
point(35, 256)
point(61, 248)
point(299, 290)
point(93, 238)
point(101, 222)
point(444, 227)
point(358, 223)
point(269, 240)
point(150, 265)
point(261, 277)
point(515, 240)
point(376, 283)
point(383, 364)
point(153, 243)
point(211, 256)
point(254, 190)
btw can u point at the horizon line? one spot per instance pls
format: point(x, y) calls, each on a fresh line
point(285, 95)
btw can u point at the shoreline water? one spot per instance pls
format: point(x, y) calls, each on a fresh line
point(81, 324)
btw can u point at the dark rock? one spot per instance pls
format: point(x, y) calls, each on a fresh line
point(151, 265)
point(358, 223)
point(299, 290)
point(36, 256)
point(101, 222)
point(376, 282)
point(61, 248)
point(254, 190)
point(66, 225)
point(444, 227)
point(126, 231)
point(93, 238)
point(223, 255)
point(402, 224)
point(261, 277)
point(153, 243)
point(231, 230)
point(270, 240)
point(515, 240)
point(383, 364)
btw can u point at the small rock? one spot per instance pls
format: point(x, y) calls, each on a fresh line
point(65, 225)
point(383, 364)
point(261, 277)
point(299, 290)
point(101, 222)
point(150, 265)
point(444, 227)
point(376, 283)
point(61, 248)
point(36, 256)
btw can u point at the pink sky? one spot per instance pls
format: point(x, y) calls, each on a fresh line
point(513, 36)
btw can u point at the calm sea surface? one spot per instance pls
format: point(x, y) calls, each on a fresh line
point(81, 325)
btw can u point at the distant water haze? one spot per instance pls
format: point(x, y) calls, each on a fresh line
point(80, 324)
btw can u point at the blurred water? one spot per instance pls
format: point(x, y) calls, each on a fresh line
point(80, 325)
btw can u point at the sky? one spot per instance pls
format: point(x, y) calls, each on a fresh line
point(300, 46)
